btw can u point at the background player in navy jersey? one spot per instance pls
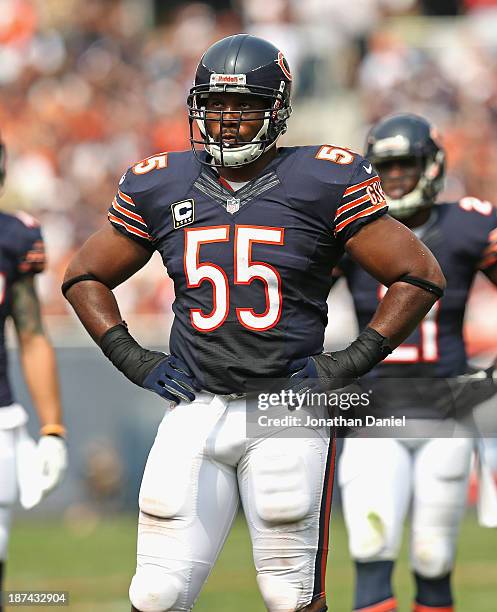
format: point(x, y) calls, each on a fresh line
point(26, 470)
point(249, 233)
point(433, 472)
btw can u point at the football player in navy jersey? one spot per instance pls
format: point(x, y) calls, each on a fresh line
point(432, 473)
point(249, 233)
point(27, 471)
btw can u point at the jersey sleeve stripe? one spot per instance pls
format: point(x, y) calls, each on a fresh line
point(127, 213)
point(129, 228)
point(126, 198)
point(489, 255)
point(35, 256)
point(353, 188)
point(488, 261)
point(362, 213)
point(352, 204)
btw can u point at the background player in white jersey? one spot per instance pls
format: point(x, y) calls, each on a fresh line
point(26, 470)
point(249, 233)
point(379, 477)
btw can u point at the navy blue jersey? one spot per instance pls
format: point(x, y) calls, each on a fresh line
point(251, 268)
point(21, 253)
point(463, 237)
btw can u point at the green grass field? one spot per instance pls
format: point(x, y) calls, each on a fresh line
point(94, 562)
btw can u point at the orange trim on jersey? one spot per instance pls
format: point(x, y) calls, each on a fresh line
point(420, 608)
point(35, 256)
point(350, 205)
point(363, 213)
point(354, 188)
point(389, 605)
point(486, 262)
point(127, 213)
point(125, 197)
point(33, 266)
point(129, 228)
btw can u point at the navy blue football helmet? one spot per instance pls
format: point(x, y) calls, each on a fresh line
point(407, 136)
point(248, 65)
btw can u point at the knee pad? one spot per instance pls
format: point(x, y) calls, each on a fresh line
point(166, 492)
point(368, 540)
point(279, 595)
point(431, 556)
point(280, 483)
point(153, 590)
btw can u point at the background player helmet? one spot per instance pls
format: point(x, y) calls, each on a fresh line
point(3, 157)
point(409, 136)
point(241, 64)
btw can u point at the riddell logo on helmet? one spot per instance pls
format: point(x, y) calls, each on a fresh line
point(228, 79)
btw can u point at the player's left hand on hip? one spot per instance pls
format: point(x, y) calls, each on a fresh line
point(339, 369)
point(52, 452)
point(325, 372)
point(172, 380)
point(304, 376)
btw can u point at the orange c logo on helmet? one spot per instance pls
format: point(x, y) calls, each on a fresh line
point(282, 63)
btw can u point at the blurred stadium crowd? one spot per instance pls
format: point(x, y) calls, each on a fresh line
point(90, 86)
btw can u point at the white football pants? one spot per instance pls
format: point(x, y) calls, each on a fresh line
point(378, 479)
point(201, 465)
point(12, 420)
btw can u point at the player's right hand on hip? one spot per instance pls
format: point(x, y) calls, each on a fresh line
point(171, 379)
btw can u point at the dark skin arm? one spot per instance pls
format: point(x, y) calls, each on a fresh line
point(112, 258)
point(387, 250)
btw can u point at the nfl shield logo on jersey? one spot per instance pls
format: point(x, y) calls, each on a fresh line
point(232, 205)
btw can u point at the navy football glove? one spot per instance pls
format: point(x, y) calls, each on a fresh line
point(171, 380)
point(163, 374)
point(336, 370)
point(305, 378)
